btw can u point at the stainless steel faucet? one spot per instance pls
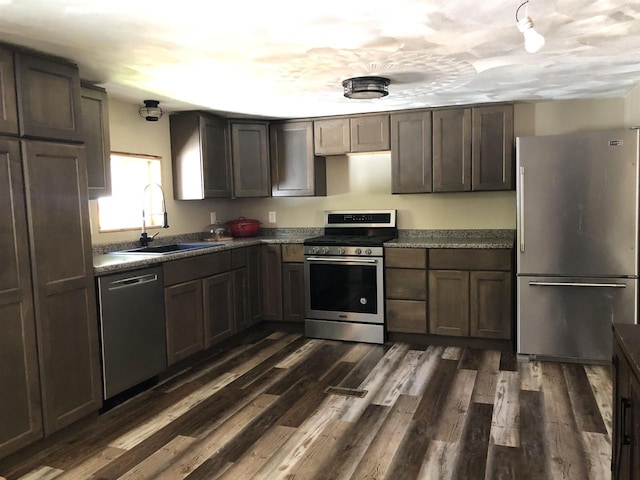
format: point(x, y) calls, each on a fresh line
point(144, 237)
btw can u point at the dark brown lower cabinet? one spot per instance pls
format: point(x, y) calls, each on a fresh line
point(241, 299)
point(219, 321)
point(406, 290)
point(183, 315)
point(490, 305)
point(449, 303)
point(254, 284)
point(20, 407)
point(271, 287)
point(293, 292)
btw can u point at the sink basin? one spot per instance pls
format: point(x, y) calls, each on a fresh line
point(165, 249)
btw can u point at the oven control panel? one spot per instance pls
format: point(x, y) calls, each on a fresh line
point(344, 251)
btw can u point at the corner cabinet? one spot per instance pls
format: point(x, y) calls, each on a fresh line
point(411, 159)
point(8, 102)
point(250, 159)
point(295, 170)
point(201, 156)
point(95, 119)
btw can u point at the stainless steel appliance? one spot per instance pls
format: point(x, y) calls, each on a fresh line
point(577, 247)
point(133, 342)
point(344, 276)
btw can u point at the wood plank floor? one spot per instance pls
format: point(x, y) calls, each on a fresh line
point(259, 410)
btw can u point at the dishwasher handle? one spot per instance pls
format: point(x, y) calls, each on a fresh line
point(132, 281)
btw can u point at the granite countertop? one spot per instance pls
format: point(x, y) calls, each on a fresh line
point(628, 335)
point(453, 239)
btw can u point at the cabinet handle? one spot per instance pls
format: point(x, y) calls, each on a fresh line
point(626, 405)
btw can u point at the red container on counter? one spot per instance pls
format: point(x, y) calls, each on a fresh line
point(244, 227)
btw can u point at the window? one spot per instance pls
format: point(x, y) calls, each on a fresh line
point(130, 174)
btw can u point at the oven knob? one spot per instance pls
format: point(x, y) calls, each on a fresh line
point(358, 251)
point(368, 251)
point(325, 250)
point(341, 251)
point(315, 250)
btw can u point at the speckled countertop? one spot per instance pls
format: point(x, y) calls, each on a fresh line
point(105, 262)
point(628, 336)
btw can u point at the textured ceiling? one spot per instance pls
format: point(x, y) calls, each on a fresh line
point(287, 58)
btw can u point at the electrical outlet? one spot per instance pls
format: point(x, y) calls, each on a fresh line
point(272, 217)
point(213, 217)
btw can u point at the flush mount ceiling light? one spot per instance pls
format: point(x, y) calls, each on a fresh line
point(366, 87)
point(151, 112)
point(533, 41)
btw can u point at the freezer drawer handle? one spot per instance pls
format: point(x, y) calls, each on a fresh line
point(575, 284)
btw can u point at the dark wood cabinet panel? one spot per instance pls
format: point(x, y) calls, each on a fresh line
point(219, 306)
point(254, 284)
point(490, 313)
point(250, 159)
point(179, 271)
point(405, 257)
point(183, 306)
point(95, 120)
point(295, 170)
point(8, 102)
point(406, 316)
point(292, 252)
point(411, 159)
point(201, 156)
point(406, 284)
point(293, 292)
point(271, 286)
point(370, 133)
point(332, 136)
point(449, 303)
point(64, 295)
point(48, 93)
point(493, 148)
point(452, 150)
point(20, 407)
point(241, 300)
point(470, 259)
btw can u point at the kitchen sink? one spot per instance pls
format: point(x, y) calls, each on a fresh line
point(165, 249)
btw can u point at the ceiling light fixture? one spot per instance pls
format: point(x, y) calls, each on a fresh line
point(533, 41)
point(151, 112)
point(366, 87)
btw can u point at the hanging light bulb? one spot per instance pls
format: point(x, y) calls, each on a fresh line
point(533, 41)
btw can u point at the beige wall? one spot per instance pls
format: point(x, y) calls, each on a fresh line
point(361, 181)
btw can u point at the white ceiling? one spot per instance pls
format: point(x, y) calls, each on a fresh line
point(287, 58)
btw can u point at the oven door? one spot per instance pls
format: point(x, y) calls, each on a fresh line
point(344, 289)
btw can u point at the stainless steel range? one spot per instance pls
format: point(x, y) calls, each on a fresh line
point(344, 276)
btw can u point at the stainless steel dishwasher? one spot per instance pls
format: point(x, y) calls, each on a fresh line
point(133, 341)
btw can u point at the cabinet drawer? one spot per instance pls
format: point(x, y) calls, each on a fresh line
point(179, 271)
point(406, 284)
point(292, 252)
point(405, 257)
point(406, 316)
point(469, 259)
point(238, 258)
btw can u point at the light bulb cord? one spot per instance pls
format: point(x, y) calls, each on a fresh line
point(523, 4)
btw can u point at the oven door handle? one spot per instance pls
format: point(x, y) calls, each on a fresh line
point(368, 261)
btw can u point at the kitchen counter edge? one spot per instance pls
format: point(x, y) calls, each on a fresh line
point(628, 337)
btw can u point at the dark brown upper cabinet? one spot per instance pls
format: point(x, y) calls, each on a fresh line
point(411, 160)
point(493, 148)
point(201, 156)
point(362, 133)
point(452, 150)
point(49, 103)
point(250, 159)
point(295, 170)
point(95, 118)
point(8, 105)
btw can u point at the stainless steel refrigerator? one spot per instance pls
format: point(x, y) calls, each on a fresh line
point(577, 262)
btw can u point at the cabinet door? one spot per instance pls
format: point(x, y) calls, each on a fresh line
point(183, 314)
point(493, 148)
point(370, 133)
point(20, 412)
point(634, 425)
point(406, 284)
point(411, 162)
point(48, 98)
point(449, 303)
point(241, 300)
point(621, 415)
point(64, 291)
point(8, 105)
point(95, 122)
point(293, 292)
point(250, 159)
point(407, 316)
point(295, 171)
point(216, 157)
point(490, 305)
point(254, 284)
point(332, 136)
point(218, 308)
point(271, 287)
point(452, 150)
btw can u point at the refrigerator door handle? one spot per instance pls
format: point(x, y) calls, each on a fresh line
point(521, 216)
point(577, 284)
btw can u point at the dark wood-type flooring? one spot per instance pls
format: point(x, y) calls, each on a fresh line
point(259, 410)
